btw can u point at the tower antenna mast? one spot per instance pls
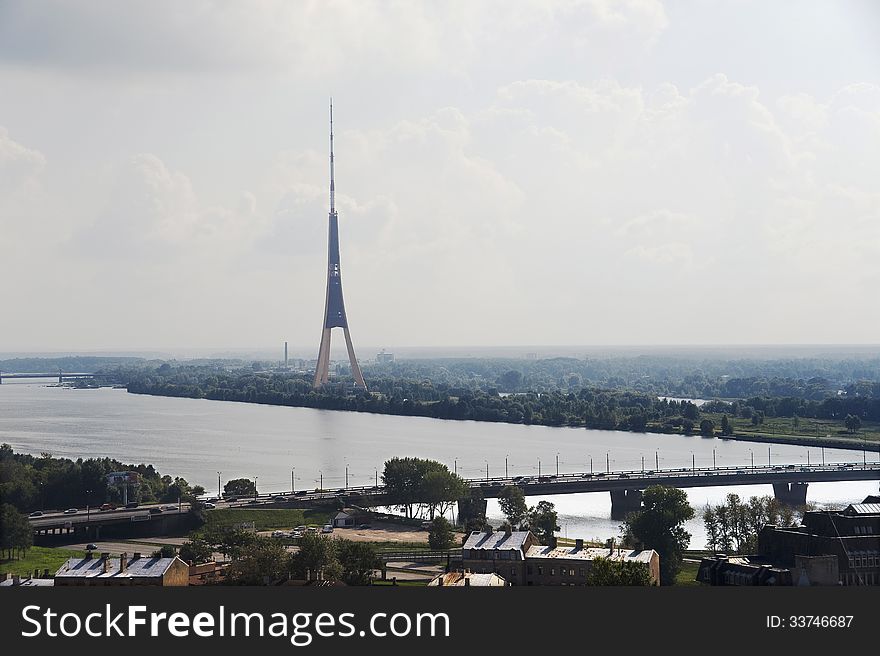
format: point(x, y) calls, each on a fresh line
point(332, 170)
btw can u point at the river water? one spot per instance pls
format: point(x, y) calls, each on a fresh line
point(196, 438)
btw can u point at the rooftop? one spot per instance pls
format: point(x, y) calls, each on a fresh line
point(590, 553)
point(461, 579)
point(142, 567)
point(496, 540)
point(862, 509)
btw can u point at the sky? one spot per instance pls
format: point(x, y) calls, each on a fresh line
point(529, 172)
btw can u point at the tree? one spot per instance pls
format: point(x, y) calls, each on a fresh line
point(542, 521)
point(605, 571)
point(416, 481)
point(316, 557)
point(240, 487)
point(440, 488)
point(687, 426)
point(167, 551)
point(707, 428)
point(726, 427)
point(263, 563)
point(853, 423)
point(660, 526)
point(440, 535)
point(196, 551)
point(357, 560)
point(733, 526)
point(512, 502)
point(16, 534)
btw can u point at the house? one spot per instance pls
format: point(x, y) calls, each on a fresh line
point(571, 565)
point(140, 570)
point(467, 579)
point(501, 552)
point(207, 573)
point(741, 570)
point(519, 558)
point(350, 517)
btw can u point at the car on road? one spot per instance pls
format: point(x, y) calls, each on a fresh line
point(623, 476)
point(253, 501)
point(71, 511)
point(91, 547)
point(169, 507)
point(132, 504)
point(36, 513)
point(108, 506)
point(155, 510)
point(280, 498)
point(301, 493)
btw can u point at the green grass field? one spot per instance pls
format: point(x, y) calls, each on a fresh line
point(687, 574)
point(267, 518)
point(828, 429)
point(38, 558)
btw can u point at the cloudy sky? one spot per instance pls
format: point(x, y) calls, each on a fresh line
point(528, 172)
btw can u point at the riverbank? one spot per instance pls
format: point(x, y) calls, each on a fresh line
point(869, 440)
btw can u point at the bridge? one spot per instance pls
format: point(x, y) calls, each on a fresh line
point(59, 374)
point(790, 483)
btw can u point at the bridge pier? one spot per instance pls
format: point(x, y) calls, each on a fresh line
point(624, 502)
point(791, 494)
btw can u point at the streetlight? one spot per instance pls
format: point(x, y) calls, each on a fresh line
point(346, 476)
point(823, 456)
point(752, 453)
point(768, 456)
point(219, 496)
point(321, 475)
point(487, 470)
point(539, 468)
point(88, 507)
point(557, 464)
point(808, 457)
point(505, 466)
point(591, 465)
point(714, 466)
point(377, 476)
point(255, 486)
point(693, 461)
point(608, 462)
point(657, 459)
point(292, 479)
point(643, 464)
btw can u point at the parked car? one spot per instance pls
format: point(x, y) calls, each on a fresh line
point(364, 526)
point(210, 506)
point(327, 528)
point(91, 546)
point(108, 506)
point(71, 511)
point(278, 534)
point(155, 510)
point(36, 513)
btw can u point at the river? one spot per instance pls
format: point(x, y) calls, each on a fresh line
point(196, 438)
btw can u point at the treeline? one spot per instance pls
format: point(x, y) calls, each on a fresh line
point(78, 364)
point(838, 407)
point(678, 376)
point(586, 407)
point(43, 482)
point(591, 408)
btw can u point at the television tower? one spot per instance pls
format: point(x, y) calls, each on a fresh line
point(334, 306)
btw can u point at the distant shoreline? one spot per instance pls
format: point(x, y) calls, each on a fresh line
point(830, 443)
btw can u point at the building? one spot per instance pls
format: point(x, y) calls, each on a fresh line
point(741, 570)
point(571, 565)
point(499, 553)
point(468, 579)
point(519, 558)
point(851, 535)
point(350, 517)
point(139, 570)
point(384, 358)
point(210, 573)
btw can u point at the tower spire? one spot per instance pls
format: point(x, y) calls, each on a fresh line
point(332, 172)
point(334, 306)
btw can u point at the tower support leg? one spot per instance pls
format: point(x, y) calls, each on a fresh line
point(355, 367)
point(322, 371)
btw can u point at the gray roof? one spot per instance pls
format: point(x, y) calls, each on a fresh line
point(573, 553)
point(863, 509)
point(143, 567)
point(496, 540)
